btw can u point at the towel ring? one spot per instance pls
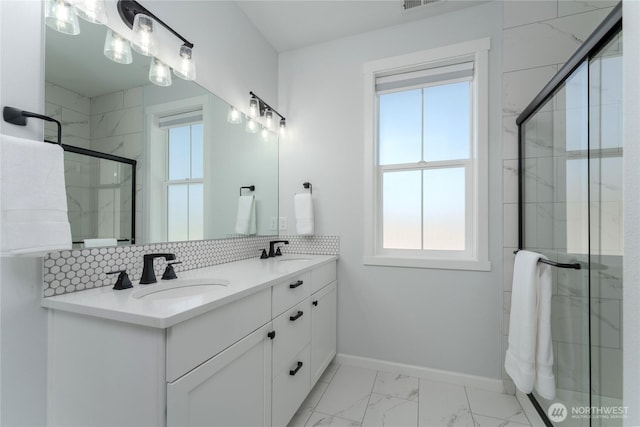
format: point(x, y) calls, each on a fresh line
point(249, 187)
point(309, 186)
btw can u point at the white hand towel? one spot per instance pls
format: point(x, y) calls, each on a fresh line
point(529, 358)
point(33, 198)
point(303, 204)
point(96, 243)
point(246, 217)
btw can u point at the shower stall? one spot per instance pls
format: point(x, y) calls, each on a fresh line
point(571, 210)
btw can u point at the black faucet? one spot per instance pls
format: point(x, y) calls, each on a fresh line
point(272, 244)
point(148, 275)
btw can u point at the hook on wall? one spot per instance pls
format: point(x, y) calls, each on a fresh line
point(309, 186)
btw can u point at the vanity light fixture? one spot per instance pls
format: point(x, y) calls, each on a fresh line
point(159, 73)
point(186, 70)
point(234, 116)
point(90, 10)
point(59, 15)
point(259, 108)
point(117, 48)
point(143, 39)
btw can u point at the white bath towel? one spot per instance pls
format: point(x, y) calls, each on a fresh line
point(529, 358)
point(96, 243)
point(33, 198)
point(303, 204)
point(246, 217)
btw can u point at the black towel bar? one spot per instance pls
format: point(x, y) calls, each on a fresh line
point(575, 266)
point(19, 117)
point(249, 187)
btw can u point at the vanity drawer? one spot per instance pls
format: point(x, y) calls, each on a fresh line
point(322, 276)
point(196, 340)
point(291, 335)
point(287, 294)
point(289, 391)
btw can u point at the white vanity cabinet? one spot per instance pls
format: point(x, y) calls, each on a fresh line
point(248, 362)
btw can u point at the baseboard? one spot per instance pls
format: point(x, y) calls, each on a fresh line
point(484, 383)
point(529, 409)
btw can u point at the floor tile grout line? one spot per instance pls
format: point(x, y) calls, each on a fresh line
point(502, 419)
point(369, 400)
point(466, 394)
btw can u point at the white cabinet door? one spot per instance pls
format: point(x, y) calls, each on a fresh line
point(323, 330)
point(231, 389)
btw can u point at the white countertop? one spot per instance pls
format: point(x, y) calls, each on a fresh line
point(244, 278)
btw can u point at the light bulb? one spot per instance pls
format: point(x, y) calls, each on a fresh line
point(61, 17)
point(234, 116)
point(117, 48)
point(265, 134)
point(253, 107)
point(159, 73)
point(90, 10)
point(251, 126)
point(143, 41)
point(186, 69)
point(268, 115)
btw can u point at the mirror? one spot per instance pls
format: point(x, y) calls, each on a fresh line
point(191, 163)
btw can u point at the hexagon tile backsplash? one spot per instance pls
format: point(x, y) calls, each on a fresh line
point(76, 270)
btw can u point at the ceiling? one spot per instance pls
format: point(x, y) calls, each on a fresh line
point(291, 24)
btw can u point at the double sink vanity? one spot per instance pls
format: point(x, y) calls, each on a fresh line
point(236, 344)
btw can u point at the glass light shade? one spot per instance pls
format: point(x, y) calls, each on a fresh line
point(234, 116)
point(186, 69)
point(265, 134)
point(59, 15)
point(143, 40)
point(253, 107)
point(268, 116)
point(251, 126)
point(90, 10)
point(283, 127)
point(117, 48)
point(159, 73)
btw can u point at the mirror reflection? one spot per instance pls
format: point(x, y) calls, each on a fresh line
point(190, 161)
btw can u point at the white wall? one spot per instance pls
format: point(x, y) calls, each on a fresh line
point(439, 319)
point(233, 60)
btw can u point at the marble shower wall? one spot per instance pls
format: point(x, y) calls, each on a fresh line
point(538, 37)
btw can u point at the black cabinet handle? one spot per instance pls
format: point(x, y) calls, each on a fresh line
point(272, 334)
point(315, 303)
point(296, 284)
point(297, 316)
point(295, 371)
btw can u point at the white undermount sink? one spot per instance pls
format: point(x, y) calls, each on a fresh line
point(179, 289)
point(294, 260)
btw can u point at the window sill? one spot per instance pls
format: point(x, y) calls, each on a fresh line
point(443, 264)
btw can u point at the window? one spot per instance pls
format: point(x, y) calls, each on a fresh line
point(184, 184)
point(425, 169)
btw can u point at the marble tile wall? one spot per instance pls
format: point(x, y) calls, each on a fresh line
point(538, 37)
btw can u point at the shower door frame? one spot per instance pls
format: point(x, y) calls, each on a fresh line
point(611, 25)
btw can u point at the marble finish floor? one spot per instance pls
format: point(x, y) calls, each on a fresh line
point(351, 396)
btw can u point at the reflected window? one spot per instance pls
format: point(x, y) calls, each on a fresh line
point(184, 183)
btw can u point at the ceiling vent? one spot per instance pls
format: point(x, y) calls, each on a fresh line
point(412, 4)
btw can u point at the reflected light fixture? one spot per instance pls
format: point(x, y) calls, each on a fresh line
point(143, 39)
point(265, 134)
point(117, 48)
point(251, 126)
point(60, 16)
point(257, 107)
point(159, 73)
point(234, 116)
point(186, 70)
point(90, 10)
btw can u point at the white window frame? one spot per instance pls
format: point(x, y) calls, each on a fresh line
point(477, 256)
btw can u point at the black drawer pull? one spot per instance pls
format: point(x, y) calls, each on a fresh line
point(296, 284)
point(272, 334)
point(315, 303)
point(295, 371)
point(297, 316)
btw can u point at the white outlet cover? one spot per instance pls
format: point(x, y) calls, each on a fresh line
point(283, 223)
